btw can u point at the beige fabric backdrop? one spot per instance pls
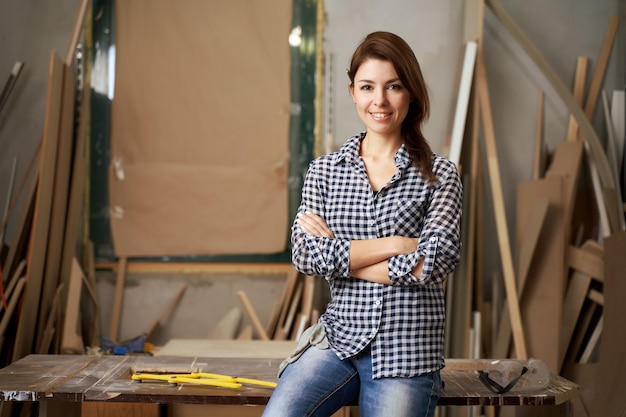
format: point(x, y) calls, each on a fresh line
point(200, 123)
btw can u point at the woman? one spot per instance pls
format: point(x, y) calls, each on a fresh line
point(380, 220)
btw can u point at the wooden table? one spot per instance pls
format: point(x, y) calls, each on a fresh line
point(81, 378)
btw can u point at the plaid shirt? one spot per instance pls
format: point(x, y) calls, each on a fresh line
point(405, 321)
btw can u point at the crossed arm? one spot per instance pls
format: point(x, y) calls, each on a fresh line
point(368, 258)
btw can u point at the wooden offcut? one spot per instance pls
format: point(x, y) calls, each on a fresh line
point(500, 210)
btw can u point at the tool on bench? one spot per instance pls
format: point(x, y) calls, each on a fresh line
point(135, 345)
point(202, 378)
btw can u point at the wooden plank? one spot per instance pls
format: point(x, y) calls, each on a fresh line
point(618, 115)
point(254, 318)
point(575, 296)
point(528, 245)
point(27, 324)
point(586, 261)
point(118, 300)
point(200, 267)
point(539, 157)
point(473, 21)
point(612, 365)
point(596, 296)
point(566, 164)
point(462, 103)
point(52, 322)
point(5, 213)
point(92, 338)
point(272, 321)
point(15, 298)
point(58, 212)
point(76, 31)
point(541, 303)
point(592, 343)
point(611, 149)
point(533, 228)
point(281, 310)
point(602, 62)
point(293, 308)
point(578, 92)
point(500, 210)
point(290, 285)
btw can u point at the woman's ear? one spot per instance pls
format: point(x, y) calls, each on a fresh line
point(351, 91)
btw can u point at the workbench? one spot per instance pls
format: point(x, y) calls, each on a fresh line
point(83, 378)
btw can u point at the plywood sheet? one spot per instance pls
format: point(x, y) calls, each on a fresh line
point(542, 302)
point(200, 123)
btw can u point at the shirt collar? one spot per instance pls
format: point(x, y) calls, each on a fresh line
point(349, 152)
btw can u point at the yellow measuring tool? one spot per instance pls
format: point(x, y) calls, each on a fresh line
point(202, 378)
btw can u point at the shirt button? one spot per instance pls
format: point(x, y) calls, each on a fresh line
point(377, 302)
point(433, 239)
point(372, 222)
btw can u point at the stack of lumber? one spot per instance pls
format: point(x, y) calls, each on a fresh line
point(42, 278)
point(563, 293)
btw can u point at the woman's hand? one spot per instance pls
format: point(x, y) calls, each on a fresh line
point(314, 225)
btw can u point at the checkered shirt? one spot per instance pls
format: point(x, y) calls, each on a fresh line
point(405, 321)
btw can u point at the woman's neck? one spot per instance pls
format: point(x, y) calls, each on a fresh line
point(379, 146)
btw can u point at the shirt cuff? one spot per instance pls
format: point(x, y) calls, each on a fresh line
point(400, 266)
point(332, 256)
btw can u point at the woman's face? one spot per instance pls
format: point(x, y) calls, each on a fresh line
point(381, 100)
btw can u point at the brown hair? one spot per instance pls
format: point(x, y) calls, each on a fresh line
point(389, 47)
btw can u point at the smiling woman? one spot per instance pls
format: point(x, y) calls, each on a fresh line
point(380, 221)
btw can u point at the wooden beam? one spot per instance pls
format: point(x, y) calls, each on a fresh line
point(579, 90)
point(499, 209)
point(200, 267)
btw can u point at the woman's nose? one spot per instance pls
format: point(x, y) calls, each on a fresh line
point(380, 98)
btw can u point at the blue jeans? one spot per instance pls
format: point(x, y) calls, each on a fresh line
point(319, 383)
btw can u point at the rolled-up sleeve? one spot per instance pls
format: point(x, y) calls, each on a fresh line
point(311, 255)
point(440, 241)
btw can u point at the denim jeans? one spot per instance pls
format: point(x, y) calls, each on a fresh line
point(319, 383)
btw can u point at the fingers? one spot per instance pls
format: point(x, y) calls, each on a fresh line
point(313, 224)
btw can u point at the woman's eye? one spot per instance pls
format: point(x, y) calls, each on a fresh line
point(366, 87)
point(395, 87)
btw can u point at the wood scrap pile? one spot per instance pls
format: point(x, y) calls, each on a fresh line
point(563, 273)
point(292, 313)
point(42, 278)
